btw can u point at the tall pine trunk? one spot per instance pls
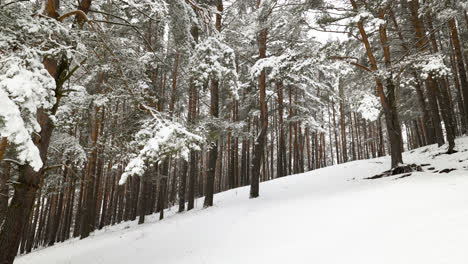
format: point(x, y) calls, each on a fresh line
point(460, 65)
point(260, 141)
point(388, 99)
point(214, 109)
point(21, 204)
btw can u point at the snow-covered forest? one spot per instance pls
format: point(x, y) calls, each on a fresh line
point(117, 111)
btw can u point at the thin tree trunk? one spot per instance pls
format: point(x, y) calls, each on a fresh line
point(191, 119)
point(144, 197)
point(183, 185)
point(77, 227)
point(337, 144)
point(260, 141)
point(163, 188)
point(460, 64)
point(87, 214)
point(3, 146)
point(343, 122)
point(4, 189)
point(459, 94)
point(281, 157)
point(388, 98)
point(105, 200)
point(58, 214)
point(32, 235)
point(213, 151)
point(172, 195)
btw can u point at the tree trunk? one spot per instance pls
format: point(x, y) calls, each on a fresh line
point(58, 213)
point(337, 144)
point(162, 196)
point(183, 186)
point(192, 107)
point(32, 235)
point(459, 94)
point(213, 151)
point(435, 91)
point(4, 189)
point(281, 157)
point(343, 122)
point(387, 99)
point(79, 209)
point(144, 197)
point(461, 66)
point(393, 126)
point(260, 142)
point(172, 195)
point(87, 214)
point(105, 199)
point(3, 146)
point(23, 199)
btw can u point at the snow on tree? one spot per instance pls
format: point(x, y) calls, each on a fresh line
point(369, 107)
point(25, 85)
point(159, 138)
point(214, 60)
point(431, 65)
point(24, 90)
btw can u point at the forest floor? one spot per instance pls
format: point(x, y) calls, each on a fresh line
point(331, 215)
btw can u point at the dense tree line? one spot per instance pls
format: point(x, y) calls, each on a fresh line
point(114, 110)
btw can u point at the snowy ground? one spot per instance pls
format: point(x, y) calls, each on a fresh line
point(331, 215)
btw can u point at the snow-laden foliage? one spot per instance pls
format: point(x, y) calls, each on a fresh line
point(369, 107)
point(443, 10)
point(214, 60)
point(68, 148)
point(302, 71)
point(158, 139)
point(77, 99)
point(25, 85)
point(431, 65)
point(182, 17)
point(371, 23)
point(151, 8)
point(276, 64)
point(294, 66)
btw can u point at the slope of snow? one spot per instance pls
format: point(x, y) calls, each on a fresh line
point(331, 215)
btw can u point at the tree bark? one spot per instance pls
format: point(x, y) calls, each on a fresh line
point(4, 190)
point(144, 196)
point(192, 107)
point(388, 99)
point(344, 144)
point(461, 66)
point(58, 213)
point(260, 141)
point(87, 219)
point(281, 157)
point(3, 146)
point(213, 151)
point(183, 186)
point(163, 189)
point(23, 197)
